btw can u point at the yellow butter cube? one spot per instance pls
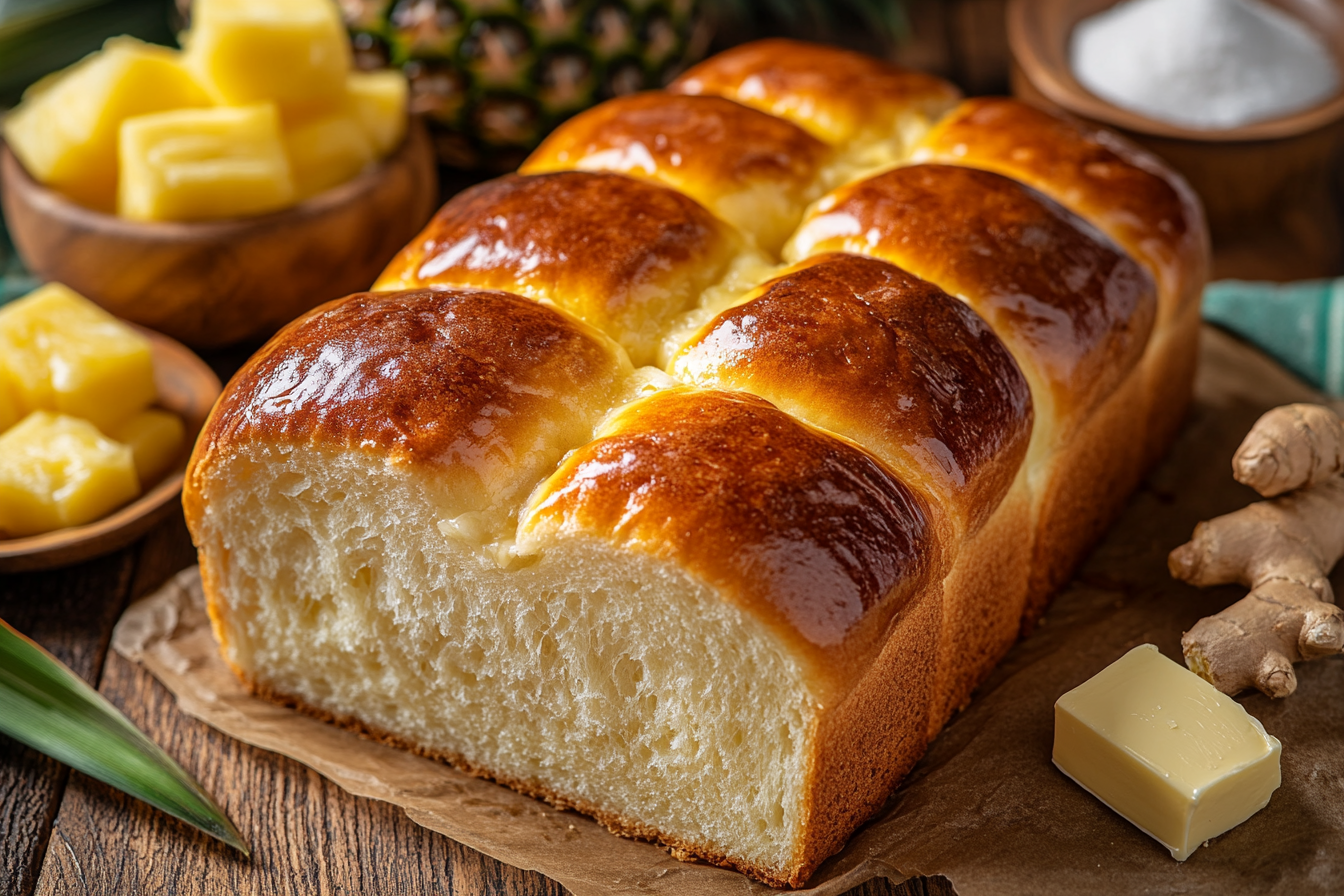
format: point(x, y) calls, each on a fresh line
point(291, 52)
point(57, 471)
point(1159, 745)
point(198, 164)
point(379, 100)
point(155, 438)
point(65, 130)
point(63, 353)
point(326, 151)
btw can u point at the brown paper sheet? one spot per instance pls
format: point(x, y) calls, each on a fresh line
point(985, 807)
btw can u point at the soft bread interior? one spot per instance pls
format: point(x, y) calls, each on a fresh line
point(611, 679)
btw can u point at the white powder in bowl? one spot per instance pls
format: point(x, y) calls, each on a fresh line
point(1203, 63)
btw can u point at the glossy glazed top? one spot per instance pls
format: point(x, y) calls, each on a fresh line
point(1074, 309)
point(702, 145)
point(834, 94)
point(487, 387)
point(1137, 200)
point(862, 348)
point(622, 254)
point(800, 528)
point(753, 170)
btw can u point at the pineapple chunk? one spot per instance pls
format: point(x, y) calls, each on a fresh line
point(197, 164)
point(292, 52)
point(63, 353)
point(9, 404)
point(57, 471)
point(65, 130)
point(326, 151)
point(155, 438)
point(379, 99)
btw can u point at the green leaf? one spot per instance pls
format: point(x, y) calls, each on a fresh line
point(51, 709)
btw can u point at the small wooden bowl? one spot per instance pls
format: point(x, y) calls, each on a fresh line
point(1266, 186)
point(187, 387)
point(216, 283)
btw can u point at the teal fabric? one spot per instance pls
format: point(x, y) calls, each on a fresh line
point(1301, 325)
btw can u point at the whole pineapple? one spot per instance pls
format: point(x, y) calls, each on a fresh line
point(494, 76)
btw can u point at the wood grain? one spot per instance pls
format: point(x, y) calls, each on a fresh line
point(307, 835)
point(71, 615)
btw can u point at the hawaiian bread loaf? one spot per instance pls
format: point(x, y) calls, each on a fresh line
point(694, 476)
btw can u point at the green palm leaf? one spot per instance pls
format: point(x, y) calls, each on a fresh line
point(49, 708)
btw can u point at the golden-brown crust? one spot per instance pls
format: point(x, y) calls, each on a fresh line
point(1091, 479)
point(1135, 199)
point(460, 379)
point(984, 596)
point(621, 254)
point(1172, 363)
point(1064, 299)
point(835, 94)
point(872, 739)
point(704, 146)
point(802, 530)
point(860, 347)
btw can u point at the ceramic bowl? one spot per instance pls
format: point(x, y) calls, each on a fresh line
point(1267, 187)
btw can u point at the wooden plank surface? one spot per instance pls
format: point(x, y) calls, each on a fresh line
point(71, 614)
point(67, 833)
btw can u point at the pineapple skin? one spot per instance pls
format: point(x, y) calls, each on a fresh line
point(493, 77)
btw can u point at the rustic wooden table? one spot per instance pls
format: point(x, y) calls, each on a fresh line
point(63, 832)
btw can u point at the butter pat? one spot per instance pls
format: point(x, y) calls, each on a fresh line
point(1165, 749)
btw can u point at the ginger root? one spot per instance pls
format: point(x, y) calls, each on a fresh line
point(1282, 549)
point(1290, 447)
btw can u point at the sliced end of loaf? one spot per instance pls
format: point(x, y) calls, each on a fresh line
point(609, 682)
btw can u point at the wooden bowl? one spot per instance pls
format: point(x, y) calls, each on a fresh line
point(1267, 186)
point(187, 387)
point(215, 283)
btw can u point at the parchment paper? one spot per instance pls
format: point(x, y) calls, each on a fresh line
point(985, 807)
